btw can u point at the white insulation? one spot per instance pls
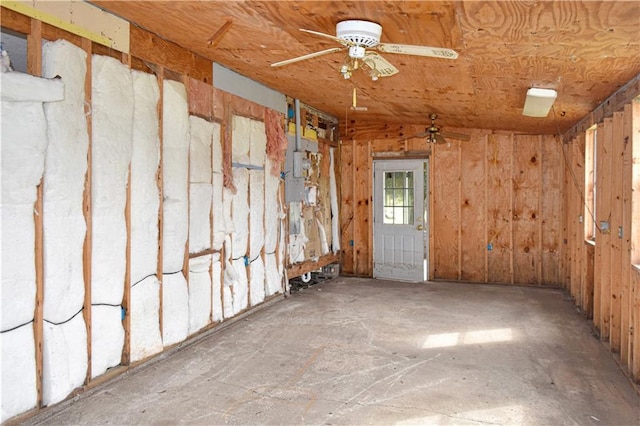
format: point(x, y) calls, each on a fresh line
point(145, 319)
point(200, 196)
point(175, 309)
point(257, 281)
point(240, 216)
point(18, 390)
point(273, 275)
point(256, 216)
point(240, 139)
point(199, 293)
point(112, 132)
point(216, 288)
point(64, 180)
point(240, 289)
point(24, 141)
point(200, 189)
point(145, 159)
point(219, 225)
point(271, 211)
point(64, 359)
point(175, 157)
point(258, 143)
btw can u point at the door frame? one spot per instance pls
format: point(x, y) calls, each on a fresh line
point(427, 220)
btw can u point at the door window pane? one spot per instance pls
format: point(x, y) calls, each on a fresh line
point(398, 198)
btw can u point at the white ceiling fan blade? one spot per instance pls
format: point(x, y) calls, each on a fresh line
point(459, 136)
point(379, 64)
point(308, 56)
point(329, 36)
point(409, 49)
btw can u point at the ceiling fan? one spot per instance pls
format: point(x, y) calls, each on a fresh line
point(356, 37)
point(434, 133)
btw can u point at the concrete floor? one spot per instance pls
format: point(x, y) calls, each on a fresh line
point(360, 351)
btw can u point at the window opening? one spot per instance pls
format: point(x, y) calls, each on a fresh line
point(398, 198)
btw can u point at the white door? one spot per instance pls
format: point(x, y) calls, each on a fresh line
point(399, 220)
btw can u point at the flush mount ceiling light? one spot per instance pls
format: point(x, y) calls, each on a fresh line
point(538, 102)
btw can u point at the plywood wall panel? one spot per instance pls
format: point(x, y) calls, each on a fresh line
point(615, 194)
point(603, 214)
point(446, 211)
point(526, 178)
point(634, 358)
point(551, 209)
point(362, 223)
point(347, 205)
point(626, 297)
point(498, 157)
point(473, 211)
point(577, 211)
point(200, 98)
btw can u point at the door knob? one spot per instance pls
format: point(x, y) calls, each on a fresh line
point(419, 227)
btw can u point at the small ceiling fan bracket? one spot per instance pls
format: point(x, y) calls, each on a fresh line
point(359, 33)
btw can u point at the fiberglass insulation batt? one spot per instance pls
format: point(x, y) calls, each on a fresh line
point(145, 158)
point(216, 288)
point(65, 335)
point(199, 292)
point(219, 225)
point(271, 231)
point(24, 141)
point(175, 163)
point(200, 189)
point(112, 132)
point(257, 150)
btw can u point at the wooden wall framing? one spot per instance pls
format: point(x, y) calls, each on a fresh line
point(151, 54)
point(600, 274)
point(495, 210)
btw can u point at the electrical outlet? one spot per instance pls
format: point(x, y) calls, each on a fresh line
point(619, 231)
point(489, 246)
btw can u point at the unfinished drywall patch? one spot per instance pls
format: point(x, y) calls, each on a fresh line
point(175, 308)
point(175, 157)
point(64, 358)
point(112, 132)
point(145, 318)
point(145, 159)
point(216, 288)
point(24, 143)
point(64, 179)
point(199, 293)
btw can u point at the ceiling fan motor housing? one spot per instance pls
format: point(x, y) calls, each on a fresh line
point(359, 33)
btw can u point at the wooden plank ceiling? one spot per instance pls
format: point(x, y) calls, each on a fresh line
point(586, 50)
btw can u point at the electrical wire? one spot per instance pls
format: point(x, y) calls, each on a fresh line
point(17, 326)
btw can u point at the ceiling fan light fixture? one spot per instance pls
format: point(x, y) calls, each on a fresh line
point(539, 102)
